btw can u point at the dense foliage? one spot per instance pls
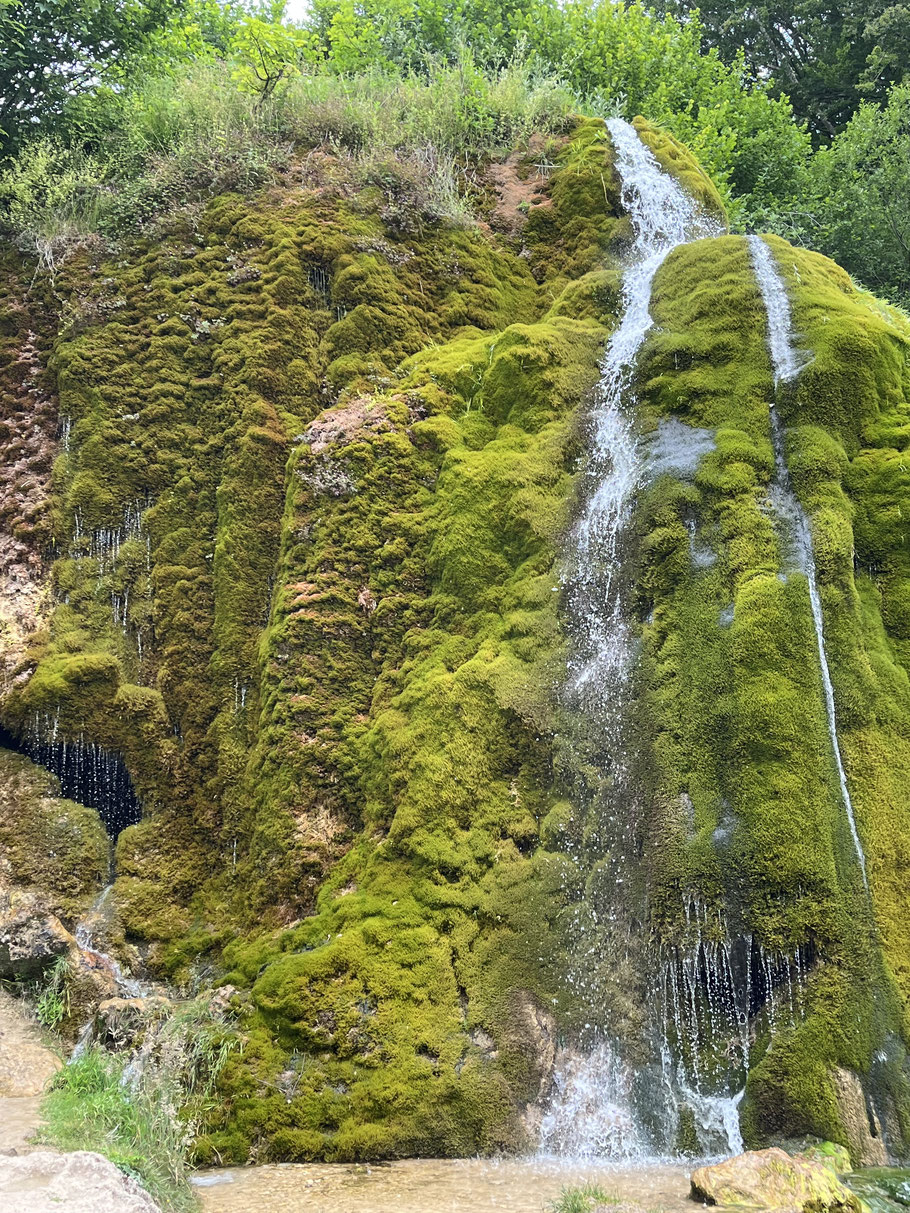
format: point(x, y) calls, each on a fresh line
point(826, 57)
point(157, 103)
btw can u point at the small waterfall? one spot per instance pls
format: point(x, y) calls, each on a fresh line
point(787, 365)
point(593, 1110)
point(663, 217)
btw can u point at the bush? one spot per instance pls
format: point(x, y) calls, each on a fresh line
point(181, 139)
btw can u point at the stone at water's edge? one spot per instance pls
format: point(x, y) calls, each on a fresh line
point(45, 1182)
point(772, 1179)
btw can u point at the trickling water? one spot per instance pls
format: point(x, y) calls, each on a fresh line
point(787, 365)
point(87, 772)
point(714, 990)
point(87, 931)
point(592, 1111)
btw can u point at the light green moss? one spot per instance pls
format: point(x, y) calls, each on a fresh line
point(675, 158)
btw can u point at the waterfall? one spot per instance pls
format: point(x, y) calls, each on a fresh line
point(87, 772)
point(787, 365)
point(592, 1112)
point(663, 217)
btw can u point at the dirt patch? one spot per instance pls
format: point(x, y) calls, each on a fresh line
point(520, 181)
point(343, 424)
point(26, 1067)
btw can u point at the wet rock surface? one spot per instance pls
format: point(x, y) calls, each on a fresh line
point(81, 1182)
point(773, 1179)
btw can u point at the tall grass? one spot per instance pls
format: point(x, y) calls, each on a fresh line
point(177, 140)
point(143, 1110)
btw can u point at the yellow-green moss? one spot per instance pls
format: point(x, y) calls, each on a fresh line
point(675, 158)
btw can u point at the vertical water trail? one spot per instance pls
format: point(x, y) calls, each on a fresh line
point(591, 1113)
point(787, 365)
point(663, 217)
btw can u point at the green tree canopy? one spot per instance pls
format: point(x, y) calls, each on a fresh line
point(863, 185)
point(824, 56)
point(56, 49)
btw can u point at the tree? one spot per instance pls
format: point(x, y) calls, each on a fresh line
point(863, 188)
point(56, 49)
point(823, 55)
point(266, 53)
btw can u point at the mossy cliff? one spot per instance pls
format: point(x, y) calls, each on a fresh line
point(747, 815)
point(302, 539)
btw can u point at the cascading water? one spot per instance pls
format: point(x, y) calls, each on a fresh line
point(663, 217)
point(592, 1112)
point(87, 772)
point(787, 365)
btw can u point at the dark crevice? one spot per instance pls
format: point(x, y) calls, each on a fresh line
point(87, 773)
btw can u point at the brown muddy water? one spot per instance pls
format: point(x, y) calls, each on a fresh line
point(433, 1186)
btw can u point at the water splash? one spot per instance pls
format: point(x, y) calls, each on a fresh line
point(590, 1112)
point(787, 364)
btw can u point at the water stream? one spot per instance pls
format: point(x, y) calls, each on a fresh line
point(787, 364)
point(593, 1110)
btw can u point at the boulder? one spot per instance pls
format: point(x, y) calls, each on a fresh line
point(772, 1179)
point(81, 1182)
point(121, 1022)
point(31, 937)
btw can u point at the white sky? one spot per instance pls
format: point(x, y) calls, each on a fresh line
point(295, 10)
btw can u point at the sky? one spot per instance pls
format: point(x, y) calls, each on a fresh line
point(295, 10)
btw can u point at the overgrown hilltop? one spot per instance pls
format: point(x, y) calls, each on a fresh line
point(117, 113)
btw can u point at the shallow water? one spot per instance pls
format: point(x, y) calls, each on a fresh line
point(430, 1185)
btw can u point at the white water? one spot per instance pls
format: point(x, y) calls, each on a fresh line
point(787, 365)
point(663, 217)
point(592, 1113)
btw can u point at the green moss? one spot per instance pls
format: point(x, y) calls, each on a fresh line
point(732, 686)
point(675, 158)
point(55, 845)
point(306, 531)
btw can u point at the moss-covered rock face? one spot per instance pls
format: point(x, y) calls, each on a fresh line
point(300, 556)
point(731, 686)
point(53, 845)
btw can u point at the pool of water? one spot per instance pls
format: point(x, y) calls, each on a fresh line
point(433, 1186)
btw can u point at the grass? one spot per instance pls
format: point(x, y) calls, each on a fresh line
point(142, 1109)
point(180, 140)
point(53, 1001)
point(582, 1199)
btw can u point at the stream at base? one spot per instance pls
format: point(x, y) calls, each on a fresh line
point(431, 1185)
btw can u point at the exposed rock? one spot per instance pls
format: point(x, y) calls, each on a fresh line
point(772, 1179)
point(119, 1021)
point(31, 937)
point(864, 1133)
point(81, 1182)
